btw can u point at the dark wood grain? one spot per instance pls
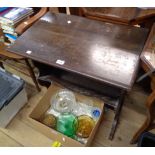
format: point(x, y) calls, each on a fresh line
point(106, 52)
point(121, 15)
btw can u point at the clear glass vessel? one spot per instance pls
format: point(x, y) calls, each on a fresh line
point(63, 101)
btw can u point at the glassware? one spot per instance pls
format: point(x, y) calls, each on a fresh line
point(85, 126)
point(95, 113)
point(82, 109)
point(53, 112)
point(64, 101)
point(85, 109)
point(80, 139)
point(67, 124)
point(49, 120)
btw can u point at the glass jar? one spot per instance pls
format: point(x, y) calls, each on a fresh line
point(49, 120)
point(63, 101)
point(85, 126)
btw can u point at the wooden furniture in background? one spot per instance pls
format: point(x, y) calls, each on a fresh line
point(20, 29)
point(148, 56)
point(148, 63)
point(101, 52)
point(149, 121)
point(121, 15)
point(5, 56)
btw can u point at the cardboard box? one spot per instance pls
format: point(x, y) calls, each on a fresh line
point(44, 105)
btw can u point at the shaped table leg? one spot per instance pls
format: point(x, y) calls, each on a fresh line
point(117, 115)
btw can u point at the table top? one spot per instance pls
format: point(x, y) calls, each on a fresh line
point(121, 14)
point(148, 54)
point(102, 51)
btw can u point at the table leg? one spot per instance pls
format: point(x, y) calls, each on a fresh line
point(30, 69)
point(117, 115)
point(148, 124)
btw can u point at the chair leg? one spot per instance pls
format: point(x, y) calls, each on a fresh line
point(148, 124)
point(142, 129)
point(32, 74)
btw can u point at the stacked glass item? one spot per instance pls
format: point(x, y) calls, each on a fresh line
point(70, 117)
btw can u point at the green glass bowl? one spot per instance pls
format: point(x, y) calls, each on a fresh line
point(67, 124)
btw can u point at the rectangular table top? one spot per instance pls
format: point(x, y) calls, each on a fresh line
point(102, 51)
point(148, 54)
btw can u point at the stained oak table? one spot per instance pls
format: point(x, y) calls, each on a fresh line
point(100, 51)
point(148, 64)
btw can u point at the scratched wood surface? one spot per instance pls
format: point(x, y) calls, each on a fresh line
point(105, 52)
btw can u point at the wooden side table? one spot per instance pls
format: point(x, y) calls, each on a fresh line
point(148, 63)
point(101, 52)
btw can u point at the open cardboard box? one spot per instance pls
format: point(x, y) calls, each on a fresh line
point(44, 105)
